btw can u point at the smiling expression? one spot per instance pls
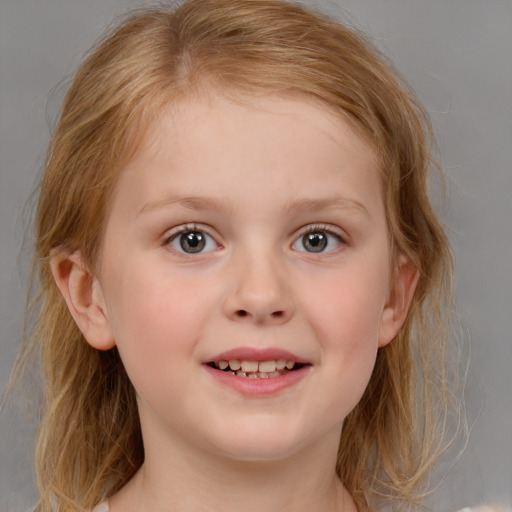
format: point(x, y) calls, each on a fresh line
point(245, 275)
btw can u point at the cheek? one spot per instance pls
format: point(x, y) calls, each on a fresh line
point(347, 308)
point(157, 321)
point(345, 313)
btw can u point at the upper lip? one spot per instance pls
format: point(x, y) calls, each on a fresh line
point(257, 354)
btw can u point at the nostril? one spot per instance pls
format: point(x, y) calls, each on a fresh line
point(276, 315)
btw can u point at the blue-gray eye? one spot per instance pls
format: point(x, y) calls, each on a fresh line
point(317, 241)
point(192, 242)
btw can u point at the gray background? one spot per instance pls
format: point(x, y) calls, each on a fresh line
point(458, 56)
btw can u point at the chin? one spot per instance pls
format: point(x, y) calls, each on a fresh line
point(259, 454)
point(260, 444)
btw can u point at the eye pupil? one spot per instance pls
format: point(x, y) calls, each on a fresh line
point(192, 241)
point(315, 242)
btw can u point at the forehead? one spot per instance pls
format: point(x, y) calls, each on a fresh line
point(211, 118)
point(219, 144)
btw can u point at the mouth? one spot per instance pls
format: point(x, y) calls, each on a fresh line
point(258, 372)
point(253, 369)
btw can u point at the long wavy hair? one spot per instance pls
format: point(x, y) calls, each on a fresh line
point(89, 440)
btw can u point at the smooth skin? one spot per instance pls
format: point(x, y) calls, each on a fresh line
point(255, 183)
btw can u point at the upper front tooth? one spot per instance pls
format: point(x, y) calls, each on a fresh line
point(267, 366)
point(290, 364)
point(234, 364)
point(280, 364)
point(249, 366)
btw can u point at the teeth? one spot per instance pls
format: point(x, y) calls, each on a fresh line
point(280, 364)
point(267, 366)
point(235, 364)
point(255, 369)
point(250, 366)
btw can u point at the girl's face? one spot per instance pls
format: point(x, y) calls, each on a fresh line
point(245, 238)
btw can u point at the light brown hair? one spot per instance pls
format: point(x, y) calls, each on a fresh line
point(89, 442)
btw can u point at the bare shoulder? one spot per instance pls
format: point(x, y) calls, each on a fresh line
point(102, 507)
point(488, 508)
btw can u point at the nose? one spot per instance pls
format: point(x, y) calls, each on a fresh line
point(259, 291)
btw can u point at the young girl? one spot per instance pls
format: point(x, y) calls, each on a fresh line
point(244, 289)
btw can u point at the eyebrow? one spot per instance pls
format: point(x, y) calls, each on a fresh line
point(214, 204)
point(313, 205)
point(189, 202)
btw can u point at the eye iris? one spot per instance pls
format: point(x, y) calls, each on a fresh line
point(315, 242)
point(192, 241)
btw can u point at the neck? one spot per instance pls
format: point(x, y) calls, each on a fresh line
point(182, 480)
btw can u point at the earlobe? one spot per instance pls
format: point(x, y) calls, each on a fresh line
point(84, 297)
point(399, 301)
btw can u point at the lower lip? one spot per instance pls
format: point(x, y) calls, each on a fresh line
point(258, 387)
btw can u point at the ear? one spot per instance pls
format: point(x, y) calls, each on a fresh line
point(400, 296)
point(84, 297)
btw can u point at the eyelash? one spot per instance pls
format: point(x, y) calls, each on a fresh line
point(185, 228)
point(321, 228)
point(312, 228)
